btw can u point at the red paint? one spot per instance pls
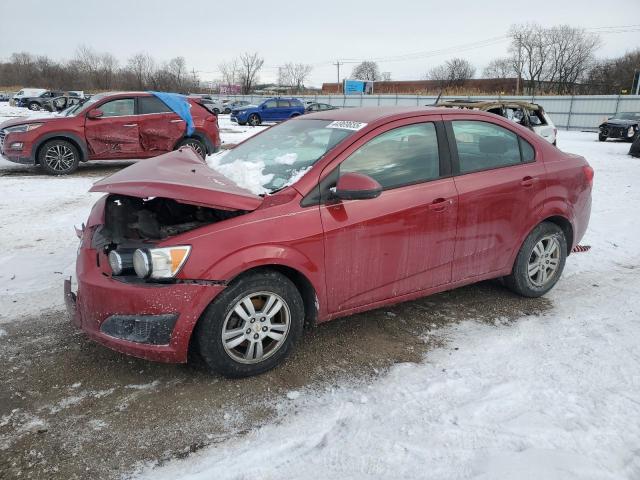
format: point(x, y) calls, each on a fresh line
point(408, 242)
point(108, 138)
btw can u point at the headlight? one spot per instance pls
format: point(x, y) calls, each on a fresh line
point(159, 262)
point(23, 128)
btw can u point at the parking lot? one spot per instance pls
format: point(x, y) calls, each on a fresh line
point(73, 409)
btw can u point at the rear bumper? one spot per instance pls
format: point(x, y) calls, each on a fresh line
point(150, 321)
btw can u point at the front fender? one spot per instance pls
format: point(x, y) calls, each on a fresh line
point(84, 152)
point(248, 258)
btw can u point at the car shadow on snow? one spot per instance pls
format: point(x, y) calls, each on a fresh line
point(85, 169)
point(70, 400)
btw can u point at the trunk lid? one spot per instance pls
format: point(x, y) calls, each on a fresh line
point(182, 176)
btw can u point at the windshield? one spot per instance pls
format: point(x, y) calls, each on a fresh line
point(628, 116)
point(279, 156)
point(76, 109)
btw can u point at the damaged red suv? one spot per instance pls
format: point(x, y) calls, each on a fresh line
point(127, 125)
point(323, 216)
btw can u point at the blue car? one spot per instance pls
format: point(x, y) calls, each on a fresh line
point(271, 110)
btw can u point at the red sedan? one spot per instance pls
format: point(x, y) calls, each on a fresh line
point(320, 217)
point(107, 127)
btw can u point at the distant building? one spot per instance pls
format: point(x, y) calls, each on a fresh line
point(504, 86)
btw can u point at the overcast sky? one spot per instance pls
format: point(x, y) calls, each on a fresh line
point(318, 33)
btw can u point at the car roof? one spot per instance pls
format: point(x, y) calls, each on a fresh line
point(371, 114)
point(487, 103)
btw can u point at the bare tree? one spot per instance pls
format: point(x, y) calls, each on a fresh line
point(613, 75)
point(177, 68)
point(294, 75)
point(142, 67)
point(500, 68)
point(366, 70)
point(230, 72)
point(530, 46)
point(250, 66)
point(453, 73)
point(385, 76)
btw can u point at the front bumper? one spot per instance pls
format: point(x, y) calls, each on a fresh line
point(136, 319)
point(613, 131)
point(23, 155)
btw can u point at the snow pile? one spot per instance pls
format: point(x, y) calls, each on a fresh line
point(245, 174)
point(551, 397)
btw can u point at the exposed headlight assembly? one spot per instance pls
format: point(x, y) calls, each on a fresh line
point(159, 263)
point(27, 127)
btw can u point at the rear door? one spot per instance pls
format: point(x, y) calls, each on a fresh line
point(160, 127)
point(116, 134)
point(283, 111)
point(402, 241)
point(500, 184)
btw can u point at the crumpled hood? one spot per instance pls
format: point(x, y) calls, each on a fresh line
point(182, 176)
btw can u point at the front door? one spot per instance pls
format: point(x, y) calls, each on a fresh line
point(500, 185)
point(116, 133)
point(402, 241)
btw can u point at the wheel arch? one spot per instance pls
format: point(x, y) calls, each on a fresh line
point(566, 227)
point(75, 140)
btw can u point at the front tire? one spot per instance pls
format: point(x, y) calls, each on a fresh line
point(254, 120)
point(540, 261)
point(34, 106)
point(252, 326)
point(58, 157)
point(602, 138)
point(194, 144)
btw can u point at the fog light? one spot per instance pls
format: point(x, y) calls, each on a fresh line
point(142, 263)
point(631, 132)
point(16, 146)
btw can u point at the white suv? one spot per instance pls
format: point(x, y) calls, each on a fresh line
point(530, 115)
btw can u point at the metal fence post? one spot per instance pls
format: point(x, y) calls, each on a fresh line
point(617, 104)
point(570, 110)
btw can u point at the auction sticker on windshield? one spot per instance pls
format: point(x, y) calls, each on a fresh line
point(347, 125)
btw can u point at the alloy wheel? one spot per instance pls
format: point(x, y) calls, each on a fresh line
point(544, 261)
point(59, 158)
point(256, 327)
point(254, 121)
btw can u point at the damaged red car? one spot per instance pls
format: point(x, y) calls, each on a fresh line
point(115, 126)
point(322, 216)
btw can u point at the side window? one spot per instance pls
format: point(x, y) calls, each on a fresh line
point(118, 108)
point(401, 156)
point(148, 105)
point(482, 145)
point(528, 153)
point(283, 104)
point(270, 104)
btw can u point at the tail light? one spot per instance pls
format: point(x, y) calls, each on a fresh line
point(588, 174)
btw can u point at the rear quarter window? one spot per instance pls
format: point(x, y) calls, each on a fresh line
point(147, 105)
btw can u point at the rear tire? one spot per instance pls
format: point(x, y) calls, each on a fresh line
point(35, 106)
point(58, 157)
point(602, 138)
point(254, 120)
point(540, 261)
point(228, 341)
point(194, 144)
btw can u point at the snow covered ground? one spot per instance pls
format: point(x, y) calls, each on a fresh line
point(552, 397)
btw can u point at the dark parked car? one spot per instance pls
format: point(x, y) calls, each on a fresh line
point(59, 104)
point(344, 211)
point(108, 126)
point(38, 102)
point(272, 110)
point(634, 151)
point(319, 107)
point(623, 126)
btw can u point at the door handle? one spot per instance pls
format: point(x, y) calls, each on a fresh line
point(528, 181)
point(177, 121)
point(130, 125)
point(440, 204)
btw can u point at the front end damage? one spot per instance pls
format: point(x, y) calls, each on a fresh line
point(146, 314)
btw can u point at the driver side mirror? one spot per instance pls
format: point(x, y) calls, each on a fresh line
point(95, 113)
point(357, 186)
